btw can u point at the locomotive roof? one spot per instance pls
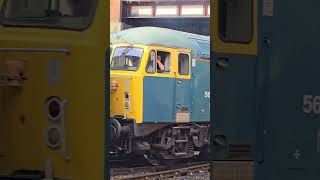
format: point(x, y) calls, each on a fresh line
point(164, 37)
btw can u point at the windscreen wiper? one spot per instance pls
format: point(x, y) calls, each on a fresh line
point(127, 50)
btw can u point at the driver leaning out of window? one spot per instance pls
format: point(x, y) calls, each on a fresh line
point(159, 63)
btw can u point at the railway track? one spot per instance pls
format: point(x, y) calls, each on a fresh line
point(158, 172)
point(133, 170)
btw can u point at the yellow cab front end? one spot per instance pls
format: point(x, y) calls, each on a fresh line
point(128, 69)
point(52, 89)
point(126, 81)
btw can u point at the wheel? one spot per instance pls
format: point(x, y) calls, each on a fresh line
point(115, 129)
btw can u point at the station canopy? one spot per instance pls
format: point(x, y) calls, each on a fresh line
point(164, 37)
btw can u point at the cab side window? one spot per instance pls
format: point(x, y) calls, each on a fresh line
point(183, 64)
point(235, 20)
point(163, 62)
point(151, 64)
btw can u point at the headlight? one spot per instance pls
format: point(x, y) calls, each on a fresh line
point(126, 100)
point(54, 137)
point(54, 108)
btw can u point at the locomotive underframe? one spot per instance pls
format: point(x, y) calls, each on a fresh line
point(161, 141)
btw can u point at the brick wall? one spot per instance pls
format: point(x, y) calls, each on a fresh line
point(115, 15)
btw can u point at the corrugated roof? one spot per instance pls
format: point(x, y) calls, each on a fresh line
point(164, 37)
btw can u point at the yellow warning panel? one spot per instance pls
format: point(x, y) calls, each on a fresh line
point(52, 93)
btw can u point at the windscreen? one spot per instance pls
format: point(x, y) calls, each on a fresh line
point(126, 58)
point(74, 14)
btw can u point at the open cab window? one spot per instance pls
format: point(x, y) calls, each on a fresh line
point(126, 59)
point(158, 62)
point(163, 62)
point(66, 14)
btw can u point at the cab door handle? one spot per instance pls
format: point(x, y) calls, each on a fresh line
point(179, 82)
point(267, 40)
point(222, 62)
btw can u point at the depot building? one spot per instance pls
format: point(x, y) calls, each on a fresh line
point(184, 15)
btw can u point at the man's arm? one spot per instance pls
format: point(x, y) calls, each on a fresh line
point(161, 66)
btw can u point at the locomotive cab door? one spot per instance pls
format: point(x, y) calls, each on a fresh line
point(234, 39)
point(182, 88)
point(159, 86)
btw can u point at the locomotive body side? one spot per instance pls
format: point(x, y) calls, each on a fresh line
point(200, 90)
point(266, 103)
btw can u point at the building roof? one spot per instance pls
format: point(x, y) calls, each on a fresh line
point(164, 37)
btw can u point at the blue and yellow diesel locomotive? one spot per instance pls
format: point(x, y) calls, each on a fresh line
point(159, 93)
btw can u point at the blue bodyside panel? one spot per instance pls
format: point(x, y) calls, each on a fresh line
point(290, 129)
point(234, 99)
point(158, 100)
point(183, 94)
point(200, 83)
